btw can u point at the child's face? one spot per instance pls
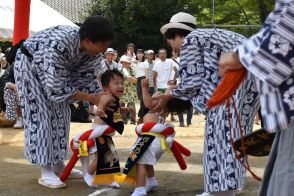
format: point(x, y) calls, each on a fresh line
point(116, 86)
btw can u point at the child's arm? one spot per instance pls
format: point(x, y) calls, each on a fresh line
point(149, 103)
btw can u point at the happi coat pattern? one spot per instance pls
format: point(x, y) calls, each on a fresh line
point(45, 82)
point(269, 56)
point(199, 77)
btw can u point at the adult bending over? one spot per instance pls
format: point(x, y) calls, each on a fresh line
point(53, 67)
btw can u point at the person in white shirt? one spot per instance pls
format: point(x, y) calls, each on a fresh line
point(163, 71)
point(131, 52)
point(108, 63)
point(163, 74)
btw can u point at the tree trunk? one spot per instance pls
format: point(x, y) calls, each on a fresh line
point(262, 10)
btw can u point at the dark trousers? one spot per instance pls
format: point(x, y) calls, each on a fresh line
point(189, 116)
point(140, 96)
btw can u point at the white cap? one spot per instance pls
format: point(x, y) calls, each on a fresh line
point(109, 50)
point(180, 20)
point(125, 58)
point(149, 52)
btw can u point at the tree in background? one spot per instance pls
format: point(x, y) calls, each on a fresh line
point(139, 21)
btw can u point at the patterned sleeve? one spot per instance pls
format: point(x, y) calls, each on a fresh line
point(191, 71)
point(84, 77)
point(269, 53)
point(58, 85)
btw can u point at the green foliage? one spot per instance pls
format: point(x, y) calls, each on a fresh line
point(5, 45)
point(139, 21)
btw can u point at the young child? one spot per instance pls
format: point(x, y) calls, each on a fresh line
point(106, 162)
point(145, 164)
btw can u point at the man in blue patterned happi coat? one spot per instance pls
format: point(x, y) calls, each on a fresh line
point(200, 50)
point(53, 67)
point(269, 56)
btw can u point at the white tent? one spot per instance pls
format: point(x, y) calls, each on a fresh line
point(41, 17)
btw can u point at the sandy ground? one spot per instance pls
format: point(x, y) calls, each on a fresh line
point(18, 177)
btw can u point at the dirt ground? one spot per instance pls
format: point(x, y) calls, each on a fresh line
point(18, 177)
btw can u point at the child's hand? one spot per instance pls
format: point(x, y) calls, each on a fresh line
point(169, 89)
point(145, 83)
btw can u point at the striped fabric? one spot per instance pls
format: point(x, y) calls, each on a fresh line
point(199, 64)
point(269, 55)
point(199, 77)
point(45, 83)
point(151, 73)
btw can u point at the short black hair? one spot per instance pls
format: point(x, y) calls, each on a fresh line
point(96, 28)
point(140, 51)
point(108, 75)
point(178, 106)
point(10, 56)
point(162, 49)
point(173, 33)
point(131, 45)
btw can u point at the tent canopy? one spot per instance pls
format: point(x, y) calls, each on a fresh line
point(41, 17)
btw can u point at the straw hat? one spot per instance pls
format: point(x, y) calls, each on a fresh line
point(180, 20)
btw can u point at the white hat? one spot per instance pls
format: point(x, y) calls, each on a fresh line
point(109, 50)
point(149, 52)
point(180, 20)
point(125, 58)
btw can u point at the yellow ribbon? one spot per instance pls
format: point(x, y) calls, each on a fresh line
point(83, 148)
point(163, 143)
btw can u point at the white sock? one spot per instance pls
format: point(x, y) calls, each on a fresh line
point(151, 184)
point(47, 172)
point(152, 180)
point(139, 191)
point(88, 179)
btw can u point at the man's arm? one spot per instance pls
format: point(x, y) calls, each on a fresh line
point(175, 76)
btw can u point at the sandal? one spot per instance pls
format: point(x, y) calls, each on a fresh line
point(51, 183)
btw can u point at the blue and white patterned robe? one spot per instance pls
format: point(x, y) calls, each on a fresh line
point(199, 77)
point(45, 82)
point(269, 56)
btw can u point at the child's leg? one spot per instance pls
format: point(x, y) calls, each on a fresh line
point(151, 181)
point(141, 175)
point(93, 165)
point(149, 171)
point(140, 180)
point(88, 177)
